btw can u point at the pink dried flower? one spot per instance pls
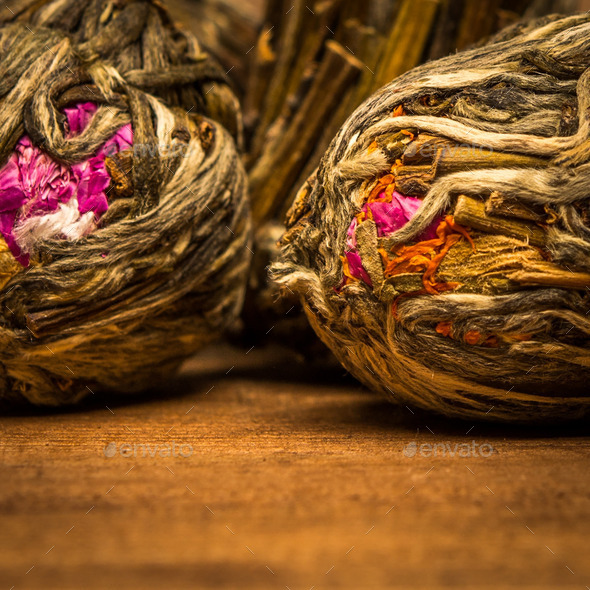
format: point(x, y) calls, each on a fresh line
point(34, 188)
point(389, 217)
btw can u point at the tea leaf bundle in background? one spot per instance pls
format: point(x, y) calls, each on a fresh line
point(123, 200)
point(442, 249)
point(226, 28)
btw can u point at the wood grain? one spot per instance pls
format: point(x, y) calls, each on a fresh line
point(297, 479)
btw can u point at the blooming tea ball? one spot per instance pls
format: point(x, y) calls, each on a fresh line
point(124, 219)
point(442, 248)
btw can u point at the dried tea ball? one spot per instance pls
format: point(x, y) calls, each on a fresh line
point(442, 249)
point(124, 218)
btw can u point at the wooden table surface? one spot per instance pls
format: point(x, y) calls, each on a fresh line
point(296, 478)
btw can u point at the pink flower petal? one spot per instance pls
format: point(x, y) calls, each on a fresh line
point(12, 195)
point(356, 268)
point(78, 117)
point(7, 220)
point(408, 205)
point(389, 217)
point(122, 140)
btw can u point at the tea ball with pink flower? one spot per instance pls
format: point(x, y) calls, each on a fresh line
point(442, 248)
point(124, 221)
